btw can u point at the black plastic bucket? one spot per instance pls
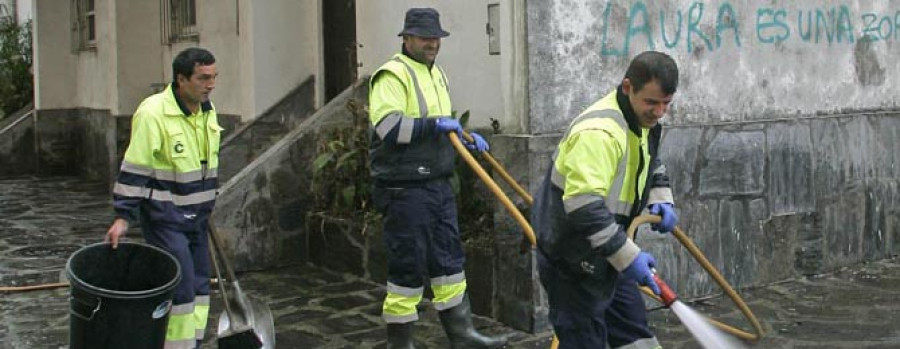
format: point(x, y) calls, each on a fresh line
point(120, 298)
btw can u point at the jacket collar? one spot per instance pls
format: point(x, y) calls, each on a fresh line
point(627, 111)
point(182, 108)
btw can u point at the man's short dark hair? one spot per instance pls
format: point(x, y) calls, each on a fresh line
point(652, 65)
point(184, 62)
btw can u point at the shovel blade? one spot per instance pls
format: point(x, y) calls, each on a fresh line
point(257, 316)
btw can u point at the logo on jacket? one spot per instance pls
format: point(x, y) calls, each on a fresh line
point(587, 267)
point(179, 148)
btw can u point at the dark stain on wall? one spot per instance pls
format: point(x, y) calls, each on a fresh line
point(868, 70)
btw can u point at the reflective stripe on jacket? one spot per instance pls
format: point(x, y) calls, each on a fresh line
point(599, 159)
point(171, 165)
point(405, 97)
point(594, 186)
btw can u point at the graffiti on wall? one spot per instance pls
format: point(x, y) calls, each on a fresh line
point(768, 25)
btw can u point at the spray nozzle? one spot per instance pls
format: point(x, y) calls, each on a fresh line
point(665, 292)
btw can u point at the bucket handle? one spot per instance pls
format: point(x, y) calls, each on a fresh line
point(84, 317)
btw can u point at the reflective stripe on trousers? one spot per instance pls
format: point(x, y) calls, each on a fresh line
point(422, 238)
point(190, 311)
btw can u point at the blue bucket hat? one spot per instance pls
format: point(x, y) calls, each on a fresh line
point(424, 23)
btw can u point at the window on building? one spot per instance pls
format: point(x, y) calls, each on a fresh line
point(6, 12)
point(179, 20)
point(84, 25)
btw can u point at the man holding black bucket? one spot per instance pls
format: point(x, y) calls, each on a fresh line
point(411, 163)
point(168, 182)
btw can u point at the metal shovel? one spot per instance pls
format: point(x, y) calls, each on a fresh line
point(242, 312)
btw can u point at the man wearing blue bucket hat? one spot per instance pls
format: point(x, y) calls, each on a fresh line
point(168, 182)
point(411, 163)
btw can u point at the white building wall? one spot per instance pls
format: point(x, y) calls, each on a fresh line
point(7, 8)
point(217, 26)
point(476, 81)
point(54, 65)
point(263, 51)
point(285, 48)
point(63, 79)
point(139, 54)
point(94, 68)
point(23, 10)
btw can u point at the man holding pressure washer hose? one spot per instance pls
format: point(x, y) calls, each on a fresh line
point(603, 173)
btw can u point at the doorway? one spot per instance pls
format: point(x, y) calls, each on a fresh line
point(339, 24)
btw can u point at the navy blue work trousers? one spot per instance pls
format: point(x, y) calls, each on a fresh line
point(582, 320)
point(191, 249)
point(420, 231)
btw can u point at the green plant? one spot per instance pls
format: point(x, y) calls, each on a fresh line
point(340, 183)
point(16, 81)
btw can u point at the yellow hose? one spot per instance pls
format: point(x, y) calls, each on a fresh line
point(679, 235)
point(729, 291)
point(529, 233)
point(33, 287)
point(502, 172)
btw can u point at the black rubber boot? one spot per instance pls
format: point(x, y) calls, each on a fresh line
point(457, 323)
point(400, 336)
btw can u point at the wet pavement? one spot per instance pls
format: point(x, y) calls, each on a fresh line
point(42, 221)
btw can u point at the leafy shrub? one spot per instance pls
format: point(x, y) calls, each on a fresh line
point(342, 184)
point(16, 81)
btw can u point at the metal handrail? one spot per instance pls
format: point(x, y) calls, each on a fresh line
point(18, 121)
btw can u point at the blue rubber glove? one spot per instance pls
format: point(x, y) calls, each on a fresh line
point(447, 124)
point(478, 143)
point(669, 217)
point(641, 270)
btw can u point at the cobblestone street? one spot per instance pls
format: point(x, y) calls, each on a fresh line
point(42, 221)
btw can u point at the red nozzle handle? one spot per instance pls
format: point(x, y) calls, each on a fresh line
point(668, 296)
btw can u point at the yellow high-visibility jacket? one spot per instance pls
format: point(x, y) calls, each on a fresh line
point(405, 99)
point(171, 166)
point(597, 182)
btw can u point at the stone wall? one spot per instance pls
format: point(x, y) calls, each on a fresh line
point(82, 142)
point(780, 142)
point(252, 139)
point(519, 299)
point(764, 201)
point(75, 142)
point(771, 200)
point(262, 209)
point(17, 144)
